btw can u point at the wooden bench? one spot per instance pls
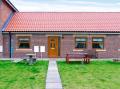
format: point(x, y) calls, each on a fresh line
point(84, 57)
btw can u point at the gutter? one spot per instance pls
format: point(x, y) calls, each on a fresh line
point(10, 45)
point(66, 33)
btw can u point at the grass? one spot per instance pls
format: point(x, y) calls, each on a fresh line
point(23, 76)
point(96, 75)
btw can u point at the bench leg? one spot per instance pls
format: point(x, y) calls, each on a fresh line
point(67, 60)
point(84, 60)
point(87, 60)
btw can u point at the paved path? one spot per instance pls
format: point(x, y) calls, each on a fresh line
point(53, 80)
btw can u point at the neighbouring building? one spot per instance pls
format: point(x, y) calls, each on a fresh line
point(61, 33)
point(7, 10)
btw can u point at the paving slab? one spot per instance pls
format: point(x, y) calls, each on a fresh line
point(53, 69)
point(52, 73)
point(53, 80)
point(53, 86)
point(53, 76)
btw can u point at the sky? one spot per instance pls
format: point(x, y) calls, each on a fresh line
point(67, 5)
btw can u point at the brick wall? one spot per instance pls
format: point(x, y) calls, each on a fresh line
point(5, 12)
point(6, 46)
point(111, 44)
point(36, 40)
point(67, 45)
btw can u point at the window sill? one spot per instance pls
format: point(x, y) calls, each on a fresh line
point(24, 50)
point(101, 50)
point(78, 50)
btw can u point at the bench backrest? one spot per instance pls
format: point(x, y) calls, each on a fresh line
point(91, 53)
point(73, 55)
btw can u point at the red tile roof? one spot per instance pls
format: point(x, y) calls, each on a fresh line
point(64, 21)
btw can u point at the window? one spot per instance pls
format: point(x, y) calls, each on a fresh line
point(80, 43)
point(24, 42)
point(52, 44)
point(0, 2)
point(98, 43)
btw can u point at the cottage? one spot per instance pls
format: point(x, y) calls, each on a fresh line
point(61, 33)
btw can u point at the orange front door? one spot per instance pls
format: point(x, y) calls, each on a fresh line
point(53, 46)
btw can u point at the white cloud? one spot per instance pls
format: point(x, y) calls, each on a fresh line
point(65, 6)
point(118, 3)
point(88, 3)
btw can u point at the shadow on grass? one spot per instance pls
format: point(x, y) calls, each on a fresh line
point(113, 63)
point(71, 62)
point(91, 63)
point(24, 63)
point(75, 62)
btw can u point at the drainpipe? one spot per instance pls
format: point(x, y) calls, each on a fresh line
point(10, 44)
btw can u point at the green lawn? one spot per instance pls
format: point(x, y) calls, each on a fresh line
point(23, 76)
point(96, 75)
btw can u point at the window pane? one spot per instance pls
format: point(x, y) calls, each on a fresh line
point(98, 45)
point(80, 45)
point(98, 39)
point(0, 1)
point(52, 45)
point(24, 39)
point(81, 39)
point(80, 42)
point(24, 45)
point(24, 42)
